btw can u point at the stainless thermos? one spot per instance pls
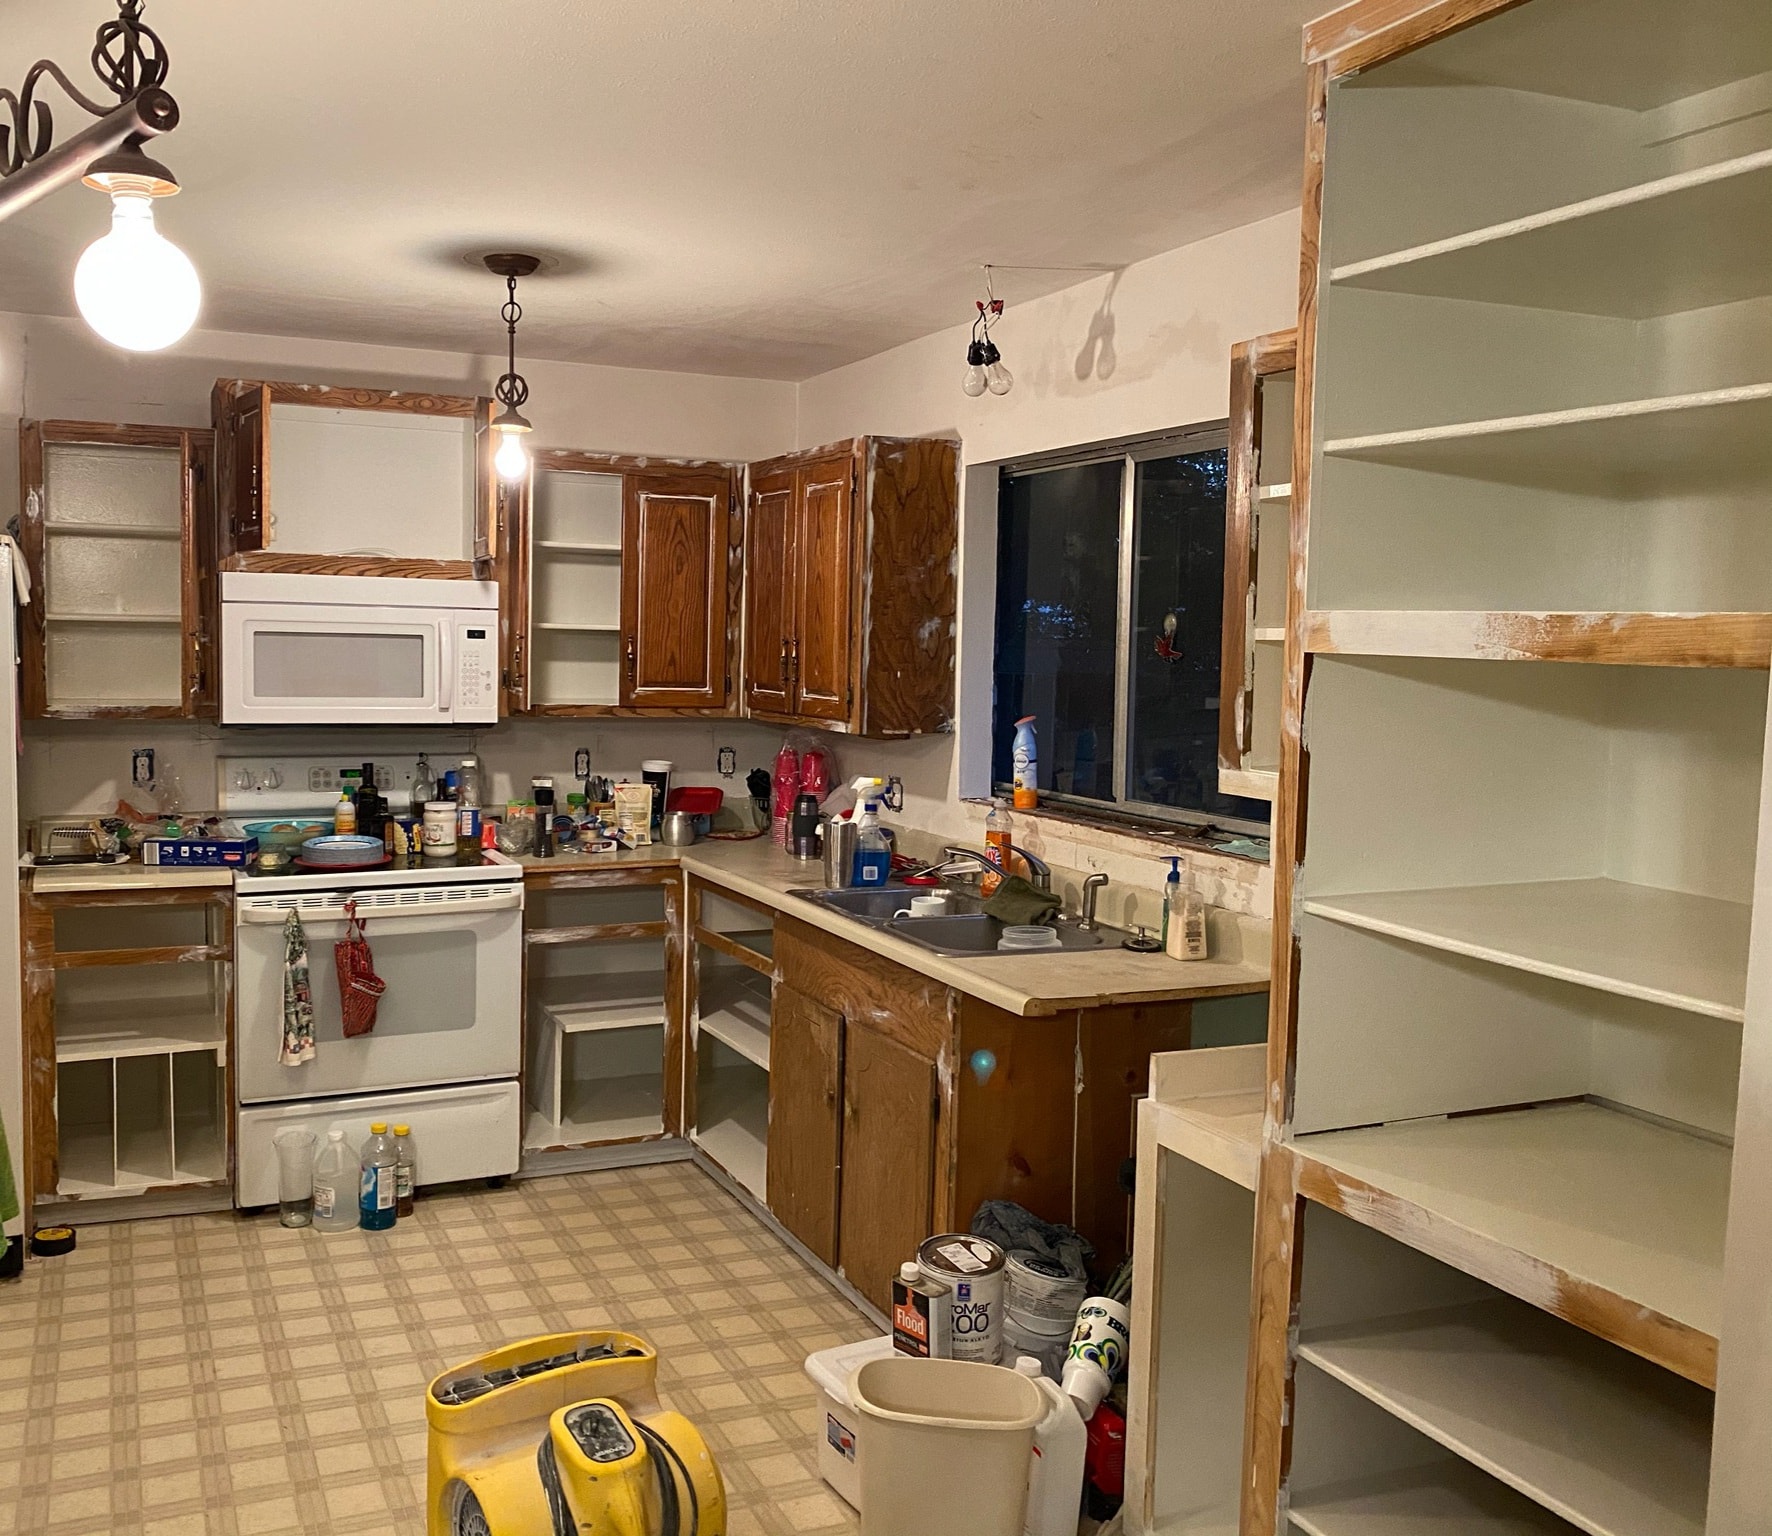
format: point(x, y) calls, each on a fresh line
point(839, 854)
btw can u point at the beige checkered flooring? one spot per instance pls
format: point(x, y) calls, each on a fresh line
point(227, 1377)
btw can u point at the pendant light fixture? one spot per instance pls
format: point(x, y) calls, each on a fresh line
point(512, 390)
point(984, 363)
point(133, 286)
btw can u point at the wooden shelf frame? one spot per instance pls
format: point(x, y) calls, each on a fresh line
point(1608, 639)
point(1447, 1498)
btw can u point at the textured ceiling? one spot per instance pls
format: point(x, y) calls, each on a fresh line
point(755, 187)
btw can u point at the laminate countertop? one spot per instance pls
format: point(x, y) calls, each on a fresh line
point(1027, 984)
point(52, 879)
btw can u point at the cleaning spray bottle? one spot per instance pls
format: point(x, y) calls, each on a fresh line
point(873, 856)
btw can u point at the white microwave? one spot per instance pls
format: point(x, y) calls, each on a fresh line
point(357, 650)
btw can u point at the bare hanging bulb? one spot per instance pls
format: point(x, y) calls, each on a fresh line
point(998, 379)
point(975, 381)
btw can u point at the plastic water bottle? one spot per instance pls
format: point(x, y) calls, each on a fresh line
point(873, 858)
point(379, 1164)
point(335, 1186)
point(1055, 1470)
point(405, 1170)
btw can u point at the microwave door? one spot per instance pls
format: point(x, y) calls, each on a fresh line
point(350, 666)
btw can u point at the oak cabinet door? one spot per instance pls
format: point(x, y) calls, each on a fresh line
point(673, 601)
point(824, 581)
point(888, 1159)
point(769, 597)
point(805, 1078)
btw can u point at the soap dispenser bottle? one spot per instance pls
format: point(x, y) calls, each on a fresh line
point(1184, 916)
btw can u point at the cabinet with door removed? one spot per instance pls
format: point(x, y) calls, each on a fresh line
point(850, 587)
point(618, 587)
point(116, 535)
point(355, 482)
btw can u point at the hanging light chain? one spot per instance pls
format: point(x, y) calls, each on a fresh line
point(512, 389)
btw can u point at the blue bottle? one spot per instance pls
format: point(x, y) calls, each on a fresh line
point(873, 857)
point(377, 1191)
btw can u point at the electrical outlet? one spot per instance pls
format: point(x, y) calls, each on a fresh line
point(141, 766)
point(727, 761)
point(581, 763)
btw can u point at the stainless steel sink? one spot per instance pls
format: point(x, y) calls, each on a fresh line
point(976, 933)
point(877, 904)
point(966, 930)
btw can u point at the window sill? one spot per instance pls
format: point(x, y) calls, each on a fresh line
point(1138, 833)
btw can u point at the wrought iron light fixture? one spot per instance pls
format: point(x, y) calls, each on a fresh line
point(134, 287)
point(512, 389)
point(984, 363)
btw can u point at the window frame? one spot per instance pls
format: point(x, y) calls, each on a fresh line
point(1129, 452)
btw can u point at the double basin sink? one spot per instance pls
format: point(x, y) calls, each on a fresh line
point(965, 929)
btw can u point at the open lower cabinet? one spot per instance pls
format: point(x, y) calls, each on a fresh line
point(129, 1027)
point(1509, 1254)
point(602, 1024)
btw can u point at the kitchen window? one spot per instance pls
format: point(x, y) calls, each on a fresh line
point(1110, 605)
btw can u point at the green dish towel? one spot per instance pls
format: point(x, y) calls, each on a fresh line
point(1017, 901)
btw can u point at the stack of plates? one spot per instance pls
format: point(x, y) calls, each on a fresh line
point(343, 850)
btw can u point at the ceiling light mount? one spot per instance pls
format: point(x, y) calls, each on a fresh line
point(512, 389)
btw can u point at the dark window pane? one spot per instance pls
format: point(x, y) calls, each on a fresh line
point(1177, 613)
point(1058, 561)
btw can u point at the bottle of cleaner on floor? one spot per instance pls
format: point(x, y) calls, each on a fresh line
point(405, 1170)
point(1055, 1470)
point(336, 1175)
point(873, 857)
point(378, 1164)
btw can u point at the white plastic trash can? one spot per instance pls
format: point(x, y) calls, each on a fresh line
point(840, 1432)
point(946, 1447)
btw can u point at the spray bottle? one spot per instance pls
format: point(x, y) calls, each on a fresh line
point(873, 855)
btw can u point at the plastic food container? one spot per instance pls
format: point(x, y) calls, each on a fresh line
point(1028, 936)
point(839, 1432)
point(946, 1446)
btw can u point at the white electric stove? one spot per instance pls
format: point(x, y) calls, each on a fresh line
point(447, 938)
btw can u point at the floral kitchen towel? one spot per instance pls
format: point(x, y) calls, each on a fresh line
point(298, 996)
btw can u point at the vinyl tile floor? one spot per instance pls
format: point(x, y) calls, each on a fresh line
point(224, 1376)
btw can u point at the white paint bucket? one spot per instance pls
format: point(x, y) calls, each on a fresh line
point(1040, 1293)
point(973, 1266)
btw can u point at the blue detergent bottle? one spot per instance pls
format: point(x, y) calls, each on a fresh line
point(873, 856)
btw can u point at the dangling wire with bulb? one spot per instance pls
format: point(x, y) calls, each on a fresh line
point(984, 363)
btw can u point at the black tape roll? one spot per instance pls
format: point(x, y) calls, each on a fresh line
point(52, 1242)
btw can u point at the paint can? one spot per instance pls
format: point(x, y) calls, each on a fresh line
point(973, 1266)
point(1040, 1293)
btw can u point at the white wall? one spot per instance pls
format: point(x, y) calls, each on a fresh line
point(1143, 350)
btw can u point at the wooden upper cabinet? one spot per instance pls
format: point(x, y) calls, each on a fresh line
point(675, 535)
point(360, 482)
point(114, 529)
point(1258, 507)
point(769, 593)
point(618, 586)
point(850, 587)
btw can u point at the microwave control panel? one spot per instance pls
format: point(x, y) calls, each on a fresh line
point(476, 682)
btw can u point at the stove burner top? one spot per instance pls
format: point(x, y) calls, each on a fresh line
point(397, 864)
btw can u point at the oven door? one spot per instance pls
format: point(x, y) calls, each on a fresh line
point(452, 958)
point(305, 663)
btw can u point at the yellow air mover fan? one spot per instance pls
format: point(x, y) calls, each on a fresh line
point(563, 1436)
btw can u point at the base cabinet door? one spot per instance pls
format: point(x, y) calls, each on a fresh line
point(888, 1159)
point(805, 1085)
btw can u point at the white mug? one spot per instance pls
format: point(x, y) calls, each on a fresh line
point(935, 904)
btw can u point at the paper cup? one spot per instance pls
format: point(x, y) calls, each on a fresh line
point(1097, 1355)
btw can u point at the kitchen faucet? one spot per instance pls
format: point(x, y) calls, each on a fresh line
point(1091, 889)
point(1041, 870)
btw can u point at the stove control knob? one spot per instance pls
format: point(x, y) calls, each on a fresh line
point(273, 779)
point(242, 779)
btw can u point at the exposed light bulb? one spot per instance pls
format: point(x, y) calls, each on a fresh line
point(998, 379)
point(512, 458)
point(975, 382)
point(135, 287)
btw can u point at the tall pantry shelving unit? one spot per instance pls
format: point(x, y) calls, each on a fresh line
point(1496, 1245)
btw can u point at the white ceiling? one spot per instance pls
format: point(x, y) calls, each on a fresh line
point(753, 187)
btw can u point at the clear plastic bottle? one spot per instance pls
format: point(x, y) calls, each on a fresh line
point(336, 1176)
point(344, 814)
point(378, 1163)
point(405, 1170)
point(1055, 1476)
point(998, 833)
point(873, 855)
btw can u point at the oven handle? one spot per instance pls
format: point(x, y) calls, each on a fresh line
point(377, 917)
point(445, 665)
